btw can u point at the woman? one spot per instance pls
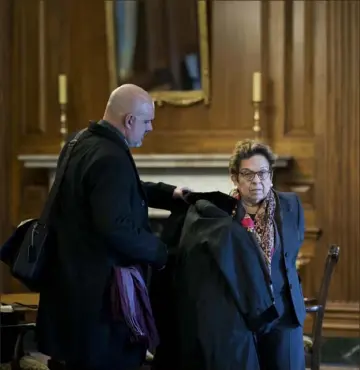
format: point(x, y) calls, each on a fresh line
point(276, 220)
point(235, 295)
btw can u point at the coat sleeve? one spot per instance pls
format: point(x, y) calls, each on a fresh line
point(159, 195)
point(109, 190)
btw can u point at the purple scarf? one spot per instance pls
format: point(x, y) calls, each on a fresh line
point(131, 303)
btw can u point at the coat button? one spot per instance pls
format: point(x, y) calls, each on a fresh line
point(143, 203)
point(286, 254)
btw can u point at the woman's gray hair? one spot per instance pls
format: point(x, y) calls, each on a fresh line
point(246, 149)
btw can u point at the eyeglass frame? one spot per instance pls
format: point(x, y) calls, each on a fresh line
point(252, 175)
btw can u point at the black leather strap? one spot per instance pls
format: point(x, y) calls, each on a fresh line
point(58, 178)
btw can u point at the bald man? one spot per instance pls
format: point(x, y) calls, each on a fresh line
point(101, 222)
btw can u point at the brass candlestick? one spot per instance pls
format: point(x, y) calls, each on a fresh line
point(257, 127)
point(63, 124)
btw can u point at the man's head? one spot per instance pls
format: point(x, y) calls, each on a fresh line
point(131, 110)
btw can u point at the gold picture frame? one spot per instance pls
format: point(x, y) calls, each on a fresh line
point(177, 98)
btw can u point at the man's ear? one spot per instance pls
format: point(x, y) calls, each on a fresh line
point(129, 120)
point(234, 179)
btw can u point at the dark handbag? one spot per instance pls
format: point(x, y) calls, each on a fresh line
point(25, 251)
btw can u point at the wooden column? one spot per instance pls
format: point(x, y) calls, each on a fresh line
point(337, 159)
point(337, 146)
point(5, 122)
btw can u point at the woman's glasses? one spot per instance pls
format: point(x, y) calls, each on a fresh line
point(250, 175)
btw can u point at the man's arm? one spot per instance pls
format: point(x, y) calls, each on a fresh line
point(112, 215)
point(159, 195)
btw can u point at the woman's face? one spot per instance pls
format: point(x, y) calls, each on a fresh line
point(254, 179)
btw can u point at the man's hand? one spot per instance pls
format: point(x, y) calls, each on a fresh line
point(179, 193)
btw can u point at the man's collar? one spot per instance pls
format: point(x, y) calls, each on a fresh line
point(114, 129)
point(108, 131)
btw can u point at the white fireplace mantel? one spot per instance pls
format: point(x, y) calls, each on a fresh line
point(200, 172)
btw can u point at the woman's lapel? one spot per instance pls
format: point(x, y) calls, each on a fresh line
point(284, 220)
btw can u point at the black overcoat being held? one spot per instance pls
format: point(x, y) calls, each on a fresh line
point(220, 290)
point(101, 221)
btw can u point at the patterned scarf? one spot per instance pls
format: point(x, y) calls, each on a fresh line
point(264, 225)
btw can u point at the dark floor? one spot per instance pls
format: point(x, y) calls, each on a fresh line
point(341, 351)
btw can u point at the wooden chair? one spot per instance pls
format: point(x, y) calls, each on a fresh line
point(316, 307)
point(22, 360)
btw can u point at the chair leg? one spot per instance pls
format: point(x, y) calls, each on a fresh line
point(19, 346)
point(18, 351)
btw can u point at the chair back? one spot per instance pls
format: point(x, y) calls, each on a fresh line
point(330, 262)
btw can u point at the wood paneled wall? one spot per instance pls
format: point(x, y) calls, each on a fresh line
point(308, 52)
point(337, 141)
point(314, 76)
point(5, 122)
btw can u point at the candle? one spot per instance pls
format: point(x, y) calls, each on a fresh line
point(62, 89)
point(257, 87)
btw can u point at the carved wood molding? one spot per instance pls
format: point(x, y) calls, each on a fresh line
point(154, 160)
point(342, 319)
point(312, 233)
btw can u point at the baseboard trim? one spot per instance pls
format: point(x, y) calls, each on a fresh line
point(342, 319)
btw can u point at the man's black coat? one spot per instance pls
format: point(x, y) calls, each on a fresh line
point(101, 221)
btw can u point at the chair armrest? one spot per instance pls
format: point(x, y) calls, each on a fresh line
point(19, 349)
point(313, 309)
point(310, 300)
